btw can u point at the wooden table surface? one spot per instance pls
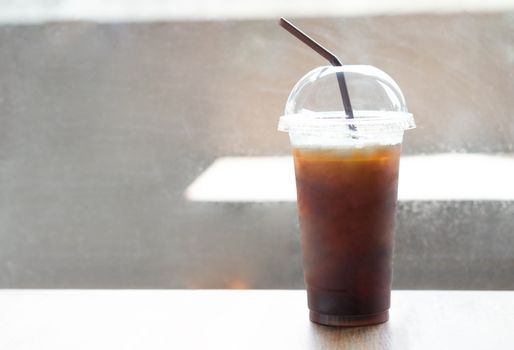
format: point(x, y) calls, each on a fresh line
point(245, 319)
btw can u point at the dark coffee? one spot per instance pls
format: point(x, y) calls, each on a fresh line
point(347, 203)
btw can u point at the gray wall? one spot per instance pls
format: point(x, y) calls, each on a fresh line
point(103, 126)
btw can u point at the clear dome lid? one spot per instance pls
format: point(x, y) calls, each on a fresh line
point(377, 102)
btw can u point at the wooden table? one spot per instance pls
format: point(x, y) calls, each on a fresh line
point(245, 319)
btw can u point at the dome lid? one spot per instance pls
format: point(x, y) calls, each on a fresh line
point(377, 101)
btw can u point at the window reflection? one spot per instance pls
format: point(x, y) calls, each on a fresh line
point(446, 177)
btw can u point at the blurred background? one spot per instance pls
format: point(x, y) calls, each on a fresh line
point(138, 142)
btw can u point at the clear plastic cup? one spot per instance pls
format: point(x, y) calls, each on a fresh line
point(347, 180)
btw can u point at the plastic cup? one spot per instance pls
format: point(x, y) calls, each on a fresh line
point(347, 180)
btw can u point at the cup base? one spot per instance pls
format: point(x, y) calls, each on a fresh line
point(349, 321)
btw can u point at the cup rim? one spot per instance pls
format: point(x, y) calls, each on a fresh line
point(309, 120)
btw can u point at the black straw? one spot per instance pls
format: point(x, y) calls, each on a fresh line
point(327, 55)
